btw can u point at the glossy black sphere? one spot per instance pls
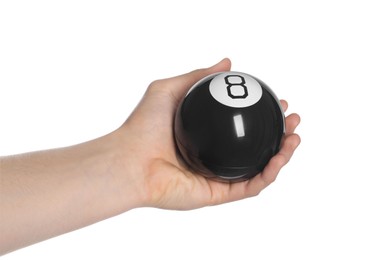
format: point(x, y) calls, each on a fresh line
point(228, 126)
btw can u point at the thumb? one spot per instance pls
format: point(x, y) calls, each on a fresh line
point(179, 85)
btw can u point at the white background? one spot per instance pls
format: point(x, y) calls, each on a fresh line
point(71, 71)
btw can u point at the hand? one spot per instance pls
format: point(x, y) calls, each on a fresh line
point(166, 181)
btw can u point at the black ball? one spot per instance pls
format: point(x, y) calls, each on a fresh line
point(228, 126)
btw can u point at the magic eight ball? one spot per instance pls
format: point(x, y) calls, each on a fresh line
point(228, 126)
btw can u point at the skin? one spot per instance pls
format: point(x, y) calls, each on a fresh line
point(47, 193)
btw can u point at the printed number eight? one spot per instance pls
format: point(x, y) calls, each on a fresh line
point(236, 86)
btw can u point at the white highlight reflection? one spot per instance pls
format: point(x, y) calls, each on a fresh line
point(239, 125)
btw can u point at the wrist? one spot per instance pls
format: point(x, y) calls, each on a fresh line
point(125, 170)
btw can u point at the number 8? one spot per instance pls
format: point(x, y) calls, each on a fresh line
point(235, 85)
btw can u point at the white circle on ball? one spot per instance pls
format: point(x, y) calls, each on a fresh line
point(235, 89)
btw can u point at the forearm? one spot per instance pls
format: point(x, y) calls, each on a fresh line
point(48, 193)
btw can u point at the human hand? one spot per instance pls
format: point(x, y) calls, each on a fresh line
point(165, 180)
